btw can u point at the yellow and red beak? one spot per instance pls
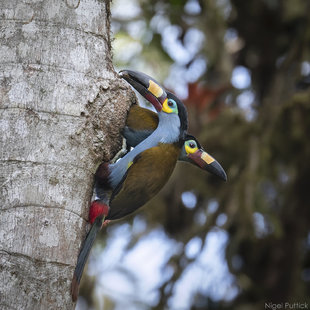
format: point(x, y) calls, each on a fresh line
point(205, 161)
point(146, 86)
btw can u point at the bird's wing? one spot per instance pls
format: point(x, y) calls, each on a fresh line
point(141, 119)
point(149, 172)
point(140, 124)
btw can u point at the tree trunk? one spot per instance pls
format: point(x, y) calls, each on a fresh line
point(61, 111)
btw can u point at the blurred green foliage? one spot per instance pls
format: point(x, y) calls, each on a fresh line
point(266, 155)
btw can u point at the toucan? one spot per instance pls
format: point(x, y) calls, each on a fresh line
point(191, 152)
point(142, 172)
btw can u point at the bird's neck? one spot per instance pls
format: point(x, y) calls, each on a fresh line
point(168, 127)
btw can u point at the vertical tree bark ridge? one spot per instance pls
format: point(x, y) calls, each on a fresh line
point(61, 112)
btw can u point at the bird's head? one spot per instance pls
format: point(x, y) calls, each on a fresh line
point(163, 101)
point(194, 153)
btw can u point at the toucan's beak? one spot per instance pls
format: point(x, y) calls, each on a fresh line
point(207, 162)
point(146, 86)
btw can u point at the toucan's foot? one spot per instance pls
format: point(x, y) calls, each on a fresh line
point(96, 209)
point(122, 152)
point(105, 223)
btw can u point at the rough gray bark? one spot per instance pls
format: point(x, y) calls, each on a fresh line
point(61, 111)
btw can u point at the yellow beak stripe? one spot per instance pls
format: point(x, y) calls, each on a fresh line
point(155, 89)
point(207, 158)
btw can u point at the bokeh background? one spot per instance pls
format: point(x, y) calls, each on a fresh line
point(243, 70)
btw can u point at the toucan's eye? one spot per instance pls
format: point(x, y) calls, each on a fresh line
point(170, 103)
point(191, 146)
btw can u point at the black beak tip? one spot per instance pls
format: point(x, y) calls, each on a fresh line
point(220, 172)
point(123, 74)
point(138, 80)
point(216, 169)
point(223, 176)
